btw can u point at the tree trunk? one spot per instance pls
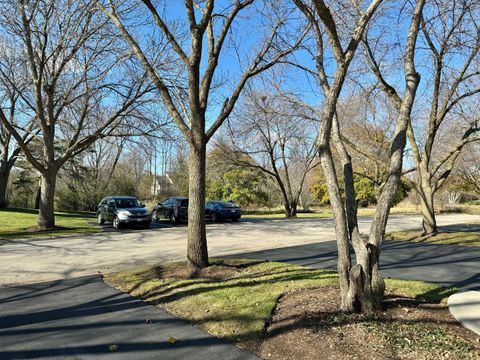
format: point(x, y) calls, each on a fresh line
point(197, 251)
point(293, 210)
point(4, 175)
point(36, 206)
point(429, 222)
point(290, 210)
point(46, 216)
point(363, 293)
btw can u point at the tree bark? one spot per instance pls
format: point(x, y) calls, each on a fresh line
point(197, 252)
point(429, 222)
point(36, 206)
point(363, 293)
point(4, 176)
point(46, 216)
point(290, 210)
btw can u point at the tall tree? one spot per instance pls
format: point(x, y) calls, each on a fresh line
point(89, 175)
point(361, 285)
point(451, 35)
point(272, 132)
point(10, 109)
point(199, 40)
point(77, 84)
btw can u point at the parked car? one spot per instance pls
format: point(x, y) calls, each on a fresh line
point(222, 210)
point(123, 210)
point(175, 209)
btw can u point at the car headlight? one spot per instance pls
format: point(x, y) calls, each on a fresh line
point(123, 215)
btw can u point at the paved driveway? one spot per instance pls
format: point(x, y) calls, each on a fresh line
point(33, 261)
point(82, 318)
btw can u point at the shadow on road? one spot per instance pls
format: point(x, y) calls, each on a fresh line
point(446, 265)
point(83, 318)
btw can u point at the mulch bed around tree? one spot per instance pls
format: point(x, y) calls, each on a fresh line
point(307, 324)
point(213, 272)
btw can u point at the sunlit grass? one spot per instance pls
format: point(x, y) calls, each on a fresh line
point(238, 307)
point(20, 224)
point(452, 238)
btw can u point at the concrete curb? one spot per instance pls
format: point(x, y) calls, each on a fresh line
point(465, 307)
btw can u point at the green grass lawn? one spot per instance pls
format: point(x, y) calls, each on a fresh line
point(451, 238)
point(324, 213)
point(18, 224)
point(238, 306)
point(327, 213)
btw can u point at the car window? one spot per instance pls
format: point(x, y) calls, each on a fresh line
point(127, 203)
point(111, 203)
point(184, 202)
point(227, 204)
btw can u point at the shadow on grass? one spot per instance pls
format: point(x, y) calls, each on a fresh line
point(163, 294)
point(14, 237)
point(62, 214)
point(435, 295)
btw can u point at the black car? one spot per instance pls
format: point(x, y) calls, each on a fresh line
point(175, 209)
point(121, 210)
point(222, 210)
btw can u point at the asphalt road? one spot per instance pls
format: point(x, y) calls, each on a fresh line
point(79, 317)
point(309, 240)
point(83, 318)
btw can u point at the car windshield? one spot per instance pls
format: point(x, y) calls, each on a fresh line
point(127, 203)
point(226, 204)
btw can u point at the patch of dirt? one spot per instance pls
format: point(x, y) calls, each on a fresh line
point(307, 324)
point(180, 271)
point(36, 229)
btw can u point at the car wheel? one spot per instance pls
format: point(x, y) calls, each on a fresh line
point(213, 217)
point(154, 216)
point(116, 223)
point(146, 225)
point(100, 219)
point(173, 218)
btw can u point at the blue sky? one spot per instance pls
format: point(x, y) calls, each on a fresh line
point(248, 32)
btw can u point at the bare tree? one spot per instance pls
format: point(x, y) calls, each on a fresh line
point(361, 285)
point(206, 29)
point(9, 152)
point(77, 84)
point(273, 133)
point(90, 174)
point(451, 35)
point(467, 170)
point(10, 64)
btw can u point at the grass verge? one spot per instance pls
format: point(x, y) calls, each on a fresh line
point(465, 238)
point(18, 224)
point(324, 213)
point(237, 303)
point(327, 213)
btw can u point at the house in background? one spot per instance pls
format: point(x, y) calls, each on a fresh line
point(162, 185)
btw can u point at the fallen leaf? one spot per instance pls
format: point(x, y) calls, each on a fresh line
point(172, 340)
point(113, 347)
